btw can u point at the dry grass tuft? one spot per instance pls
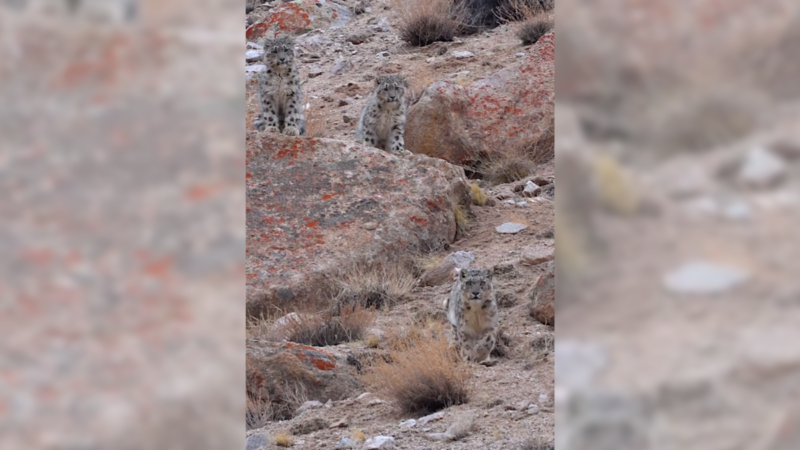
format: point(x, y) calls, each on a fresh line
point(423, 22)
point(507, 168)
point(517, 163)
point(374, 286)
point(359, 435)
point(317, 123)
point(478, 195)
point(424, 374)
point(461, 219)
point(284, 440)
point(530, 32)
point(258, 413)
point(461, 428)
point(321, 330)
point(521, 10)
point(373, 341)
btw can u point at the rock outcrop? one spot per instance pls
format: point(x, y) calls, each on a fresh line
point(279, 373)
point(297, 17)
point(315, 206)
point(503, 112)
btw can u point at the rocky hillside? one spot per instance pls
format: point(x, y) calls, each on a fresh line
point(333, 225)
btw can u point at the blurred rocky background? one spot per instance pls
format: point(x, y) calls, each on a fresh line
point(677, 147)
point(121, 270)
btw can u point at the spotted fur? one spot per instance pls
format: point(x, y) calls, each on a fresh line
point(383, 120)
point(279, 90)
point(472, 311)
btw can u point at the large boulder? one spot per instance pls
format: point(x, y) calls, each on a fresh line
point(298, 17)
point(278, 373)
point(315, 206)
point(502, 112)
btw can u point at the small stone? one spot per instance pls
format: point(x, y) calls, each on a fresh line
point(531, 189)
point(536, 256)
point(523, 405)
point(329, 404)
point(344, 102)
point(253, 55)
point(438, 436)
point(363, 396)
point(348, 119)
point(255, 68)
point(309, 426)
point(256, 442)
point(522, 203)
point(463, 55)
point(342, 65)
point(311, 404)
point(510, 228)
point(374, 402)
point(700, 277)
point(379, 442)
point(359, 38)
point(383, 55)
point(761, 168)
point(430, 418)
point(737, 211)
point(504, 193)
point(543, 398)
point(347, 443)
point(542, 181)
point(410, 423)
point(520, 54)
point(442, 50)
point(578, 363)
point(510, 201)
point(340, 424)
point(315, 71)
point(533, 409)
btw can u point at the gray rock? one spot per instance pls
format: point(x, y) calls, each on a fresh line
point(256, 442)
point(700, 277)
point(462, 259)
point(379, 442)
point(253, 55)
point(531, 189)
point(578, 363)
point(438, 436)
point(341, 66)
point(315, 71)
point(430, 418)
point(359, 37)
point(510, 228)
point(737, 210)
point(533, 409)
point(463, 55)
point(410, 423)
point(347, 443)
point(761, 168)
point(311, 404)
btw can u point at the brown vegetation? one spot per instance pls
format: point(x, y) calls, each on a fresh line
point(423, 373)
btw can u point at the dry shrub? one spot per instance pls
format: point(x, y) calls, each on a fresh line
point(258, 413)
point(423, 22)
point(374, 285)
point(512, 166)
point(321, 330)
point(278, 396)
point(423, 373)
point(461, 219)
point(317, 123)
point(530, 31)
point(517, 163)
point(477, 194)
point(284, 440)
